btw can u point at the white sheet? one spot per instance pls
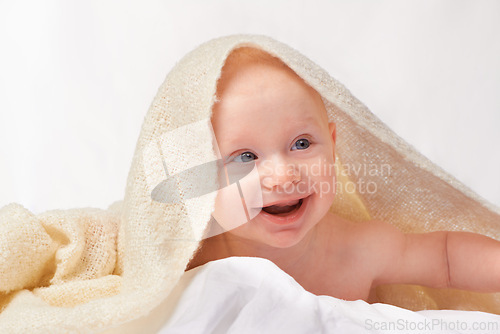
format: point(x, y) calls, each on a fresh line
point(252, 295)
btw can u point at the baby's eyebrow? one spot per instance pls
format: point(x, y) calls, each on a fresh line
point(310, 121)
point(231, 139)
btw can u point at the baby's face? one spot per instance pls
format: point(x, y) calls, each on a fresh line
point(268, 118)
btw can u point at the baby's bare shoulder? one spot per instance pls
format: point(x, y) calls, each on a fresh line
point(365, 231)
point(359, 251)
point(364, 240)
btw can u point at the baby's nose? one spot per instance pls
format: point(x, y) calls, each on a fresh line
point(279, 173)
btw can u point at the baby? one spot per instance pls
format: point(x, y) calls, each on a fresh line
point(266, 116)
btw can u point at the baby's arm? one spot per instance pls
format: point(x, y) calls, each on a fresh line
point(474, 262)
point(442, 259)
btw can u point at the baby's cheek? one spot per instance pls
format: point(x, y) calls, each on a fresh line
point(252, 192)
point(327, 189)
point(227, 211)
point(239, 202)
point(327, 180)
point(230, 207)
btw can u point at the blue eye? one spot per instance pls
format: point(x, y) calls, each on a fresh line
point(245, 157)
point(301, 144)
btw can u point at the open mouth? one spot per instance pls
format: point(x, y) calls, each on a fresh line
point(284, 210)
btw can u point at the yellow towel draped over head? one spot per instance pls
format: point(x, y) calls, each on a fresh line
point(92, 270)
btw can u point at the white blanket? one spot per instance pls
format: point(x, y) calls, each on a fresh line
point(252, 295)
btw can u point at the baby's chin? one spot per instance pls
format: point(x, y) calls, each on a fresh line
point(284, 241)
point(269, 240)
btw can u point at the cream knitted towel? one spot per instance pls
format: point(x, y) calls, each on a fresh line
point(89, 270)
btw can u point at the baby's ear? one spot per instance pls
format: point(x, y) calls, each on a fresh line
point(333, 131)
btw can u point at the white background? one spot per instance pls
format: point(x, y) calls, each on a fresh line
point(76, 79)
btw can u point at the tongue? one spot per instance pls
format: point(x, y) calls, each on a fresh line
point(277, 209)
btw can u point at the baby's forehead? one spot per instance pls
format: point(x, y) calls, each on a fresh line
point(250, 63)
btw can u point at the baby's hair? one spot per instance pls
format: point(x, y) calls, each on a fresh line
point(247, 55)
